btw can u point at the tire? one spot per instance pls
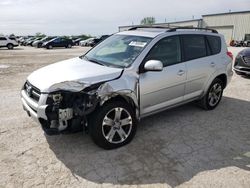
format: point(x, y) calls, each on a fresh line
point(39, 45)
point(213, 96)
point(69, 46)
point(10, 46)
point(49, 47)
point(105, 130)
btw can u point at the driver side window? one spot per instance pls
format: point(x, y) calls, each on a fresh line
point(167, 50)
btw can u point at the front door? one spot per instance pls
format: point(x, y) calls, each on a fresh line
point(162, 89)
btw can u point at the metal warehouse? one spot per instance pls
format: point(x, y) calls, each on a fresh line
point(233, 25)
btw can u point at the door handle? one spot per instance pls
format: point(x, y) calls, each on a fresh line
point(181, 72)
point(212, 64)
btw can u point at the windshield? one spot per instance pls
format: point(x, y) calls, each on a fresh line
point(118, 50)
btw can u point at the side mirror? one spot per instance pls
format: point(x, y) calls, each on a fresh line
point(153, 65)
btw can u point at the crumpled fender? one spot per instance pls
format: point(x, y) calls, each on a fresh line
point(126, 86)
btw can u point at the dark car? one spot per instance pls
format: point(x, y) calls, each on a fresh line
point(39, 43)
point(242, 62)
point(247, 40)
point(58, 42)
point(95, 41)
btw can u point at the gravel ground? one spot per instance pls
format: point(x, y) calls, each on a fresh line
point(181, 147)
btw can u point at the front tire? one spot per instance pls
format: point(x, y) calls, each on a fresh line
point(49, 47)
point(10, 46)
point(113, 125)
point(213, 95)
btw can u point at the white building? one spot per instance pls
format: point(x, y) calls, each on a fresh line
point(233, 25)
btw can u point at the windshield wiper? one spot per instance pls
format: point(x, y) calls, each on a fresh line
point(94, 61)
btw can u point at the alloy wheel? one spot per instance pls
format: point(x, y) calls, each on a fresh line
point(117, 125)
point(214, 94)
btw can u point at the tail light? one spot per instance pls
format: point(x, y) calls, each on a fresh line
point(230, 54)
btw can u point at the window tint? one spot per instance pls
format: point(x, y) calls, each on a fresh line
point(167, 51)
point(214, 44)
point(3, 38)
point(194, 46)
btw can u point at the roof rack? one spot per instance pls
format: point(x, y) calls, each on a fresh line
point(147, 26)
point(171, 28)
point(196, 28)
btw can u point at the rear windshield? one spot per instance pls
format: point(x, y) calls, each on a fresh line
point(214, 44)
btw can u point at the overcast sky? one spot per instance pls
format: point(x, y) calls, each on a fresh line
point(95, 17)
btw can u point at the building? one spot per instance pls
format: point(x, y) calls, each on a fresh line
point(233, 25)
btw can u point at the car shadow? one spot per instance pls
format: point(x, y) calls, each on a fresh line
point(170, 147)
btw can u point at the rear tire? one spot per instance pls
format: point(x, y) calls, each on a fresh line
point(213, 96)
point(10, 46)
point(113, 125)
point(69, 46)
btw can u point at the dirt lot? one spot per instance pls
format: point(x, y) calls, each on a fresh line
point(183, 147)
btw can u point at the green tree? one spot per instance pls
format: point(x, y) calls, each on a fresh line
point(38, 34)
point(148, 21)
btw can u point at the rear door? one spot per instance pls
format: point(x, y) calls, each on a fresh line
point(162, 89)
point(200, 63)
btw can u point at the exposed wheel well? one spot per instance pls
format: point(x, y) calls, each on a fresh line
point(124, 99)
point(223, 78)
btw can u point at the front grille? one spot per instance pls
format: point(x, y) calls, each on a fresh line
point(32, 91)
point(246, 60)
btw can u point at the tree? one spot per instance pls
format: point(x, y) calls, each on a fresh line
point(38, 34)
point(148, 21)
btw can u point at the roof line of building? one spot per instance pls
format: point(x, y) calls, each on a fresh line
point(225, 13)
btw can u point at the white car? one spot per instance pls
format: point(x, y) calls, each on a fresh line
point(10, 43)
point(84, 42)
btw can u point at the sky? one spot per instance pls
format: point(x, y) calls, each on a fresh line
point(97, 17)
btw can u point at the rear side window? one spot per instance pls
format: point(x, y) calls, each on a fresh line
point(214, 44)
point(194, 46)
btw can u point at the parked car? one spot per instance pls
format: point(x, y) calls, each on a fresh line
point(247, 40)
point(10, 43)
point(33, 40)
point(22, 40)
point(39, 43)
point(29, 41)
point(85, 42)
point(77, 41)
point(58, 42)
point(242, 62)
point(128, 76)
point(95, 41)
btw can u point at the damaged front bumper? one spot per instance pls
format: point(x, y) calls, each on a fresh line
point(59, 111)
point(35, 109)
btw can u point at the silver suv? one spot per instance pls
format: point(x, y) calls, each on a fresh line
point(128, 76)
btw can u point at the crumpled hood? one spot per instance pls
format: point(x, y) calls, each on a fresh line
point(72, 75)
